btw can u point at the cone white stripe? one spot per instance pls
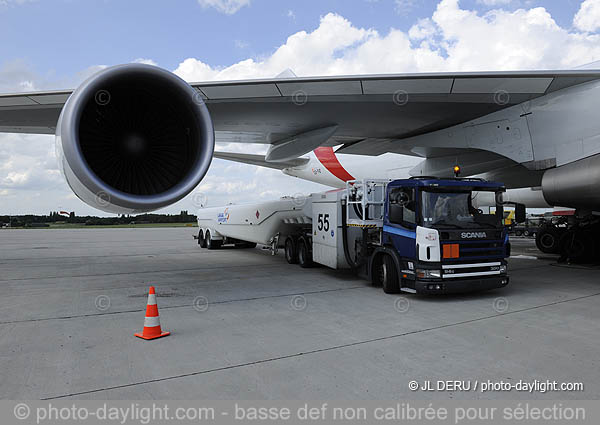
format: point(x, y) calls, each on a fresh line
point(152, 299)
point(150, 322)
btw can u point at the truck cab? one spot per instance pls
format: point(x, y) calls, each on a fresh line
point(434, 240)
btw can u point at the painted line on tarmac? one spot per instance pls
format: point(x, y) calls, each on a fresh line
point(320, 350)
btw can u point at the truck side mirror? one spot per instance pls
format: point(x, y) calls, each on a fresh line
point(520, 214)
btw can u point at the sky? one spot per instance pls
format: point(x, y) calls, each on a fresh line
point(54, 44)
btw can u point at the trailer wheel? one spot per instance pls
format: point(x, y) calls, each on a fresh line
point(304, 255)
point(518, 233)
point(291, 253)
point(389, 276)
point(212, 244)
point(201, 240)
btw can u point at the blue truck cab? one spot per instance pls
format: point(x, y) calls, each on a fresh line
point(434, 240)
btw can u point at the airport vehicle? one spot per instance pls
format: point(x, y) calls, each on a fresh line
point(529, 227)
point(135, 138)
point(419, 235)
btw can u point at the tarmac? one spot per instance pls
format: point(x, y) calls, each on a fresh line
point(246, 325)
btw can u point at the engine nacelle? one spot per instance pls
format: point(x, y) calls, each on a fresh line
point(574, 185)
point(134, 138)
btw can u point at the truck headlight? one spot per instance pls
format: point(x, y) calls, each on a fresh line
point(428, 274)
point(503, 268)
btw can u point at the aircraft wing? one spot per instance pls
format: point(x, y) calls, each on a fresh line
point(260, 160)
point(368, 115)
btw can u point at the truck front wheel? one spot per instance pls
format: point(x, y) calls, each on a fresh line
point(386, 275)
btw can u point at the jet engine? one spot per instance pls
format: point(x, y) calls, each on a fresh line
point(134, 138)
point(574, 185)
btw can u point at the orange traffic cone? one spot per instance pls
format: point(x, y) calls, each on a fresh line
point(152, 328)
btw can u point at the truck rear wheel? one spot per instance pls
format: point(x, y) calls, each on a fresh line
point(201, 240)
point(304, 255)
point(291, 253)
point(210, 243)
point(388, 275)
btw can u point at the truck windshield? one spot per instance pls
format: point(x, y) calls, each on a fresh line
point(454, 210)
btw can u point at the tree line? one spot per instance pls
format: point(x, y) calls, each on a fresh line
point(31, 220)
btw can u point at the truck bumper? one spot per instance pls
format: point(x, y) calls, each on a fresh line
point(457, 286)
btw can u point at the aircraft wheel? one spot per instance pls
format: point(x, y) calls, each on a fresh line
point(576, 246)
point(518, 233)
point(201, 240)
point(210, 243)
point(547, 240)
point(304, 255)
point(291, 253)
point(526, 233)
point(388, 276)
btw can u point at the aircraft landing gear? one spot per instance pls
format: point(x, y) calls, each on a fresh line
point(548, 237)
point(579, 242)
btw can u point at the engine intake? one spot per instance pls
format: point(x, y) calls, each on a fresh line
point(134, 138)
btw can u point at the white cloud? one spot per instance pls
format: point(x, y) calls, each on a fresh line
point(14, 2)
point(450, 40)
point(145, 61)
point(588, 16)
point(404, 6)
point(494, 2)
point(228, 7)
point(241, 44)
